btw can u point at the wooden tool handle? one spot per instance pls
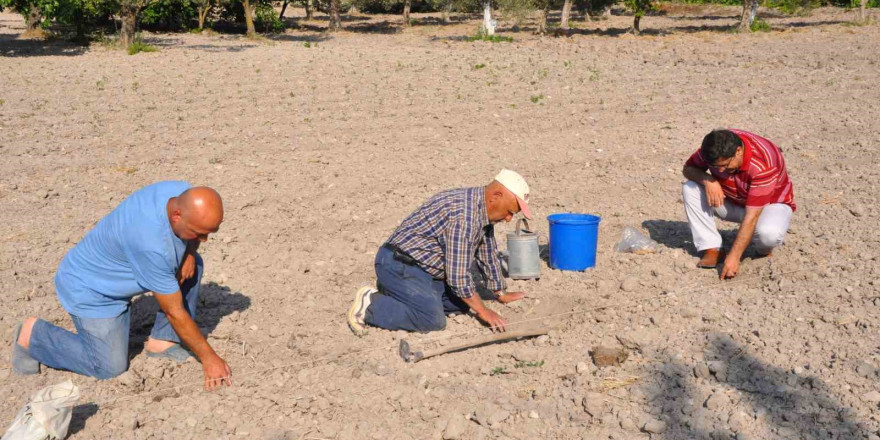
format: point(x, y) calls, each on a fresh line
point(483, 340)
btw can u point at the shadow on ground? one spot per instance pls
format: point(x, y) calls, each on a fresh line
point(79, 415)
point(752, 399)
point(215, 302)
point(670, 233)
point(11, 46)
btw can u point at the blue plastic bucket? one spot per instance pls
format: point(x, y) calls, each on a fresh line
point(573, 241)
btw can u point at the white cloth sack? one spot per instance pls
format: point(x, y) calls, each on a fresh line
point(46, 416)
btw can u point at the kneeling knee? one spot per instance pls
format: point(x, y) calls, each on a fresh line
point(769, 236)
point(433, 323)
point(111, 368)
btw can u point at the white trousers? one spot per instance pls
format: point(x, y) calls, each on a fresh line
point(769, 233)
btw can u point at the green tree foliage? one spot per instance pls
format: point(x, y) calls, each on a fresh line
point(170, 14)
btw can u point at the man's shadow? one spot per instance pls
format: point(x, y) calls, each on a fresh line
point(215, 302)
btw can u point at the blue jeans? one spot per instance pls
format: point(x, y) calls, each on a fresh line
point(409, 298)
point(99, 348)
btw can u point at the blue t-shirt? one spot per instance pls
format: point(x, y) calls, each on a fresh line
point(131, 251)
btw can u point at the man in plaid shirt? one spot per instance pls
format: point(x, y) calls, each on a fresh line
point(747, 183)
point(423, 270)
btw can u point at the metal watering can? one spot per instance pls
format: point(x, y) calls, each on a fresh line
point(524, 260)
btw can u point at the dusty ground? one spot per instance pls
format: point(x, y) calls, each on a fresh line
point(320, 151)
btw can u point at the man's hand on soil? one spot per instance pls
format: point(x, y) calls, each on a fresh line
point(217, 372)
point(730, 268)
point(492, 319)
point(511, 297)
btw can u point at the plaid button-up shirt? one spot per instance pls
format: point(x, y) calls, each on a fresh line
point(446, 234)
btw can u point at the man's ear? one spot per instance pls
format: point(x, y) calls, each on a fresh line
point(495, 196)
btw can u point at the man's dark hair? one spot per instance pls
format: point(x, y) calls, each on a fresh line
point(719, 144)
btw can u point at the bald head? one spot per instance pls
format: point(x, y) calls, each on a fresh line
point(195, 213)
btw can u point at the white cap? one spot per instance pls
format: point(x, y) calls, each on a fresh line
point(518, 186)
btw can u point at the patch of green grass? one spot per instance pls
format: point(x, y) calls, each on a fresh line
point(525, 364)
point(566, 64)
point(135, 85)
point(759, 25)
point(543, 73)
point(594, 74)
point(479, 66)
point(497, 370)
point(2, 101)
point(307, 44)
point(536, 98)
point(101, 83)
point(481, 36)
point(138, 46)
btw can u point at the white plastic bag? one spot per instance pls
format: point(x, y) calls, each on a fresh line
point(46, 416)
point(635, 242)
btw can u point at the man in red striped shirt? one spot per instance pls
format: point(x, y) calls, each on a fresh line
point(746, 183)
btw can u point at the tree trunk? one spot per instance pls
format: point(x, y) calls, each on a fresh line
point(863, 11)
point(283, 8)
point(488, 23)
point(34, 20)
point(80, 25)
point(407, 5)
point(335, 18)
point(249, 18)
point(636, 19)
point(542, 19)
point(446, 10)
point(750, 9)
point(204, 10)
point(566, 13)
point(129, 23)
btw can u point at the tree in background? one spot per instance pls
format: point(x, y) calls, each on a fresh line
point(750, 10)
point(249, 17)
point(335, 17)
point(566, 14)
point(204, 8)
point(639, 9)
point(32, 10)
point(863, 11)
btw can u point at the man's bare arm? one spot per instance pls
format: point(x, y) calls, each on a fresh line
point(743, 238)
point(216, 370)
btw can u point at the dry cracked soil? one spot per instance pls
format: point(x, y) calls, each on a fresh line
point(320, 149)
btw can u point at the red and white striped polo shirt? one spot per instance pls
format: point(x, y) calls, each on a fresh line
point(762, 178)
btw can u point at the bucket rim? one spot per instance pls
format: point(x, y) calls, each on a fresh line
point(573, 218)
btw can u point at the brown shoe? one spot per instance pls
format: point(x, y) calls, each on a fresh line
point(711, 258)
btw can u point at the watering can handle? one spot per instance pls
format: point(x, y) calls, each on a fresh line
point(519, 224)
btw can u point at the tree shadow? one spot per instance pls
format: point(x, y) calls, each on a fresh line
point(749, 394)
point(300, 38)
point(11, 46)
point(215, 302)
point(79, 415)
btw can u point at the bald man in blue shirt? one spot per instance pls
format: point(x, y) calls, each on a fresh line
point(147, 244)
